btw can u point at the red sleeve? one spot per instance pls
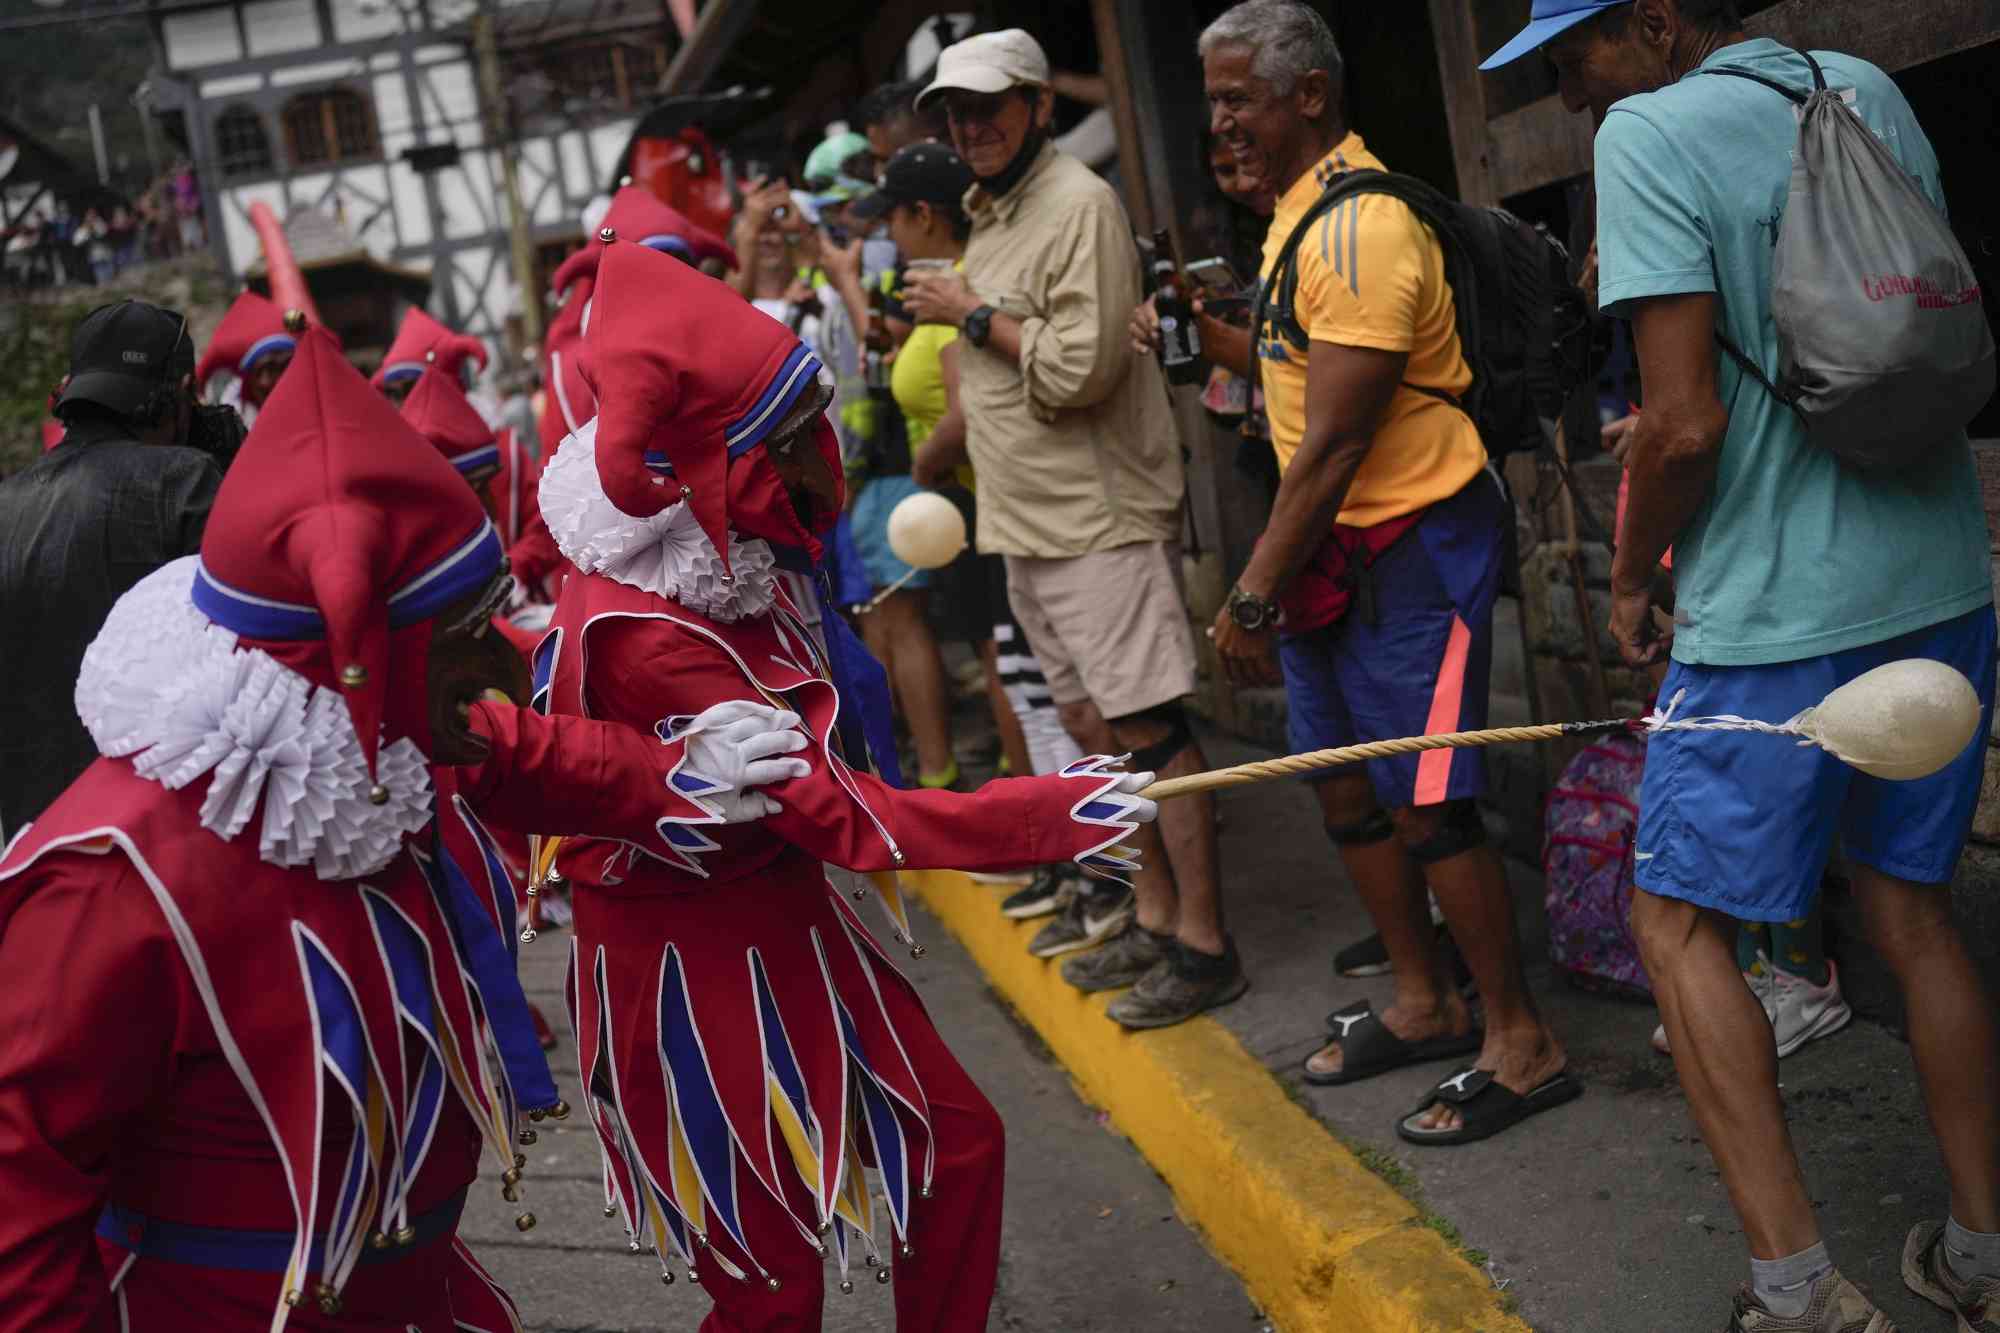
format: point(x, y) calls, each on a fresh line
point(534, 556)
point(574, 776)
point(840, 815)
point(94, 1003)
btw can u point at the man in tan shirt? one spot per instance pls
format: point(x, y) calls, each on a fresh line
point(1080, 487)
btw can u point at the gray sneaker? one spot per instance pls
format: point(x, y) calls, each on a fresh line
point(1976, 1303)
point(1836, 1306)
point(1091, 917)
point(1178, 987)
point(1049, 891)
point(1124, 958)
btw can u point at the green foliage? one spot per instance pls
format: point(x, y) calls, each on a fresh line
point(34, 353)
point(55, 72)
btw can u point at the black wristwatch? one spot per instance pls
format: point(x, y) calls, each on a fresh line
point(978, 326)
point(1251, 612)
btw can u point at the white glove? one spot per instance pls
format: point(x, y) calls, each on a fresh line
point(1143, 811)
point(738, 743)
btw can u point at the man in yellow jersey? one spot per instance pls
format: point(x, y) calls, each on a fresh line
point(1373, 585)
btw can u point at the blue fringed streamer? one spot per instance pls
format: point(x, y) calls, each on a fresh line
point(865, 725)
point(487, 957)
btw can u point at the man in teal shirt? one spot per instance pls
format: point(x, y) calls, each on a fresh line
point(1794, 574)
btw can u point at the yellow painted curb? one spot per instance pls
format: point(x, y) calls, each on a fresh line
point(1323, 1244)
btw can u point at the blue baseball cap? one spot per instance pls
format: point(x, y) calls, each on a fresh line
point(1545, 21)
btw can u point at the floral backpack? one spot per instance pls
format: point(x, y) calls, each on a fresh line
point(1591, 820)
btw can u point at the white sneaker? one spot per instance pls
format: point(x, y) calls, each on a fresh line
point(1798, 1010)
point(1802, 1012)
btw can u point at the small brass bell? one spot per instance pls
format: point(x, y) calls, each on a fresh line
point(686, 491)
point(907, 1250)
point(859, 894)
point(525, 1222)
point(378, 1240)
point(328, 1298)
point(378, 795)
point(924, 1193)
point(607, 235)
point(634, 1247)
point(537, 1115)
point(918, 951)
point(560, 1110)
point(511, 1193)
point(528, 936)
point(511, 1176)
point(520, 1162)
point(882, 1276)
point(870, 1260)
point(666, 1277)
point(528, 1138)
point(846, 1287)
point(898, 857)
point(555, 879)
point(533, 891)
point(353, 676)
point(404, 1235)
point(295, 321)
point(611, 1210)
point(694, 1277)
point(773, 1283)
point(824, 1227)
point(293, 1296)
point(624, 181)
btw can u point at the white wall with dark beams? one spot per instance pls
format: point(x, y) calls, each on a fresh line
point(411, 66)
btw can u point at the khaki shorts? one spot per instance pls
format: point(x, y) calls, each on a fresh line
point(1110, 627)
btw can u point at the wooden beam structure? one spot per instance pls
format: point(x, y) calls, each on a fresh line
point(1464, 99)
point(1543, 143)
point(715, 32)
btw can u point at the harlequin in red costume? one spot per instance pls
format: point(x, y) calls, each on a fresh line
point(253, 346)
point(259, 1014)
point(419, 340)
point(747, 1046)
point(636, 214)
point(499, 467)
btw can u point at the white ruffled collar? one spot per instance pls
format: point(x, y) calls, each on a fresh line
point(667, 554)
point(166, 686)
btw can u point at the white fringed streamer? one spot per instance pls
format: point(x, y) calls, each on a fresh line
point(667, 554)
point(164, 685)
point(1663, 719)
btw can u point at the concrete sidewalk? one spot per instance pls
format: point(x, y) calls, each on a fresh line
point(1604, 1216)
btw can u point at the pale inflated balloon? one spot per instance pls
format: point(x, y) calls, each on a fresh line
point(1903, 720)
point(926, 530)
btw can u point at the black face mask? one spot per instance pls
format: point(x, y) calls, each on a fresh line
point(1010, 175)
point(218, 431)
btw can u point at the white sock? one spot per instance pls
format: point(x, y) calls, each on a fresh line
point(1784, 1286)
point(1972, 1254)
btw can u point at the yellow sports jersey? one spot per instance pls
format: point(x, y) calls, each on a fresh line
point(1371, 274)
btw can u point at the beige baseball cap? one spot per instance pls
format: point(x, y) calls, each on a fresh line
point(989, 62)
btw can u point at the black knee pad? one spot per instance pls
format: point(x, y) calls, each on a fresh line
point(1375, 827)
point(1156, 756)
point(1460, 829)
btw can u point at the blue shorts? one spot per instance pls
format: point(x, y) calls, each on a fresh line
point(1742, 823)
point(870, 518)
point(1422, 664)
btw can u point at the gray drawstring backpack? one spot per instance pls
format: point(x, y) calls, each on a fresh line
point(1883, 347)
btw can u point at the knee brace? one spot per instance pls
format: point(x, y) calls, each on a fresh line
point(1459, 829)
point(1372, 828)
point(1156, 756)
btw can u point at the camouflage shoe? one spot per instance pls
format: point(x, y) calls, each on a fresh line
point(1976, 1303)
point(1120, 961)
point(1181, 985)
point(1836, 1306)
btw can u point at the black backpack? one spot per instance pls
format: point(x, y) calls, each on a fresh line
point(1526, 329)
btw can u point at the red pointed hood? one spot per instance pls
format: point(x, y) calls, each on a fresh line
point(419, 336)
point(637, 214)
point(572, 399)
point(691, 380)
point(438, 410)
point(251, 329)
point(336, 526)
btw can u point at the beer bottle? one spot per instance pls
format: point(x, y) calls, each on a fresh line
point(875, 344)
point(1180, 339)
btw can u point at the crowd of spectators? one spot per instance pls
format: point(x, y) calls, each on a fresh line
point(54, 245)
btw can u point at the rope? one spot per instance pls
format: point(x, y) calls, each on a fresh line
point(1293, 765)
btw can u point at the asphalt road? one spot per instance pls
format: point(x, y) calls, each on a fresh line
point(1092, 1244)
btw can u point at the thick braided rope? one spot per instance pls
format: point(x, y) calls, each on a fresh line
point(1293, 765)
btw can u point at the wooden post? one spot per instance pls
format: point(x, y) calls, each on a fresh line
point(1114, 63)
point(499, 139)
point(1464, 98)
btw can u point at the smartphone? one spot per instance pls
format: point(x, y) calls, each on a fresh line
point(837, 236)
point(1215, 275)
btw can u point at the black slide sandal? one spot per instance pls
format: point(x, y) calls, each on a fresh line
point(1368, 1047)
point(1485, 1107)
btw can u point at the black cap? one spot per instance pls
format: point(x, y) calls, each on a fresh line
point(919, 173)
point(120, 353)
